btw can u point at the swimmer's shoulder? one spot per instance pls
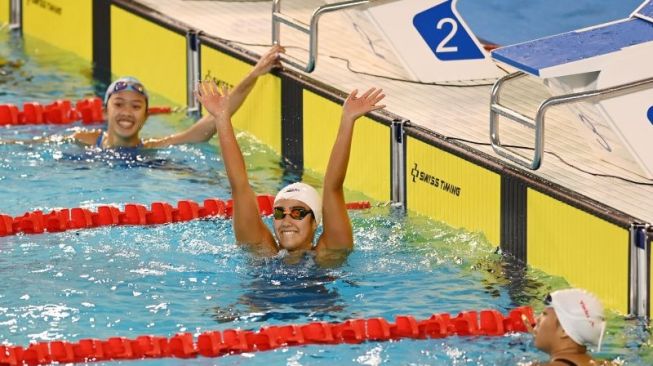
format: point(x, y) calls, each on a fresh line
point(330, 258)
point(86, 137)
point(267, 247)
point(582, 361)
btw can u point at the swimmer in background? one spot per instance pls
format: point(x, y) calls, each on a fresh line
point(572, 320)
point(298, 208)
point(126, 102)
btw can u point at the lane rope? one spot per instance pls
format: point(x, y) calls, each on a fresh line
point(235, 341)
point(61, 112)
point(37, 222)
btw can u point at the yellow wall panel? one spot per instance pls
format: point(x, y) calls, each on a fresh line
point(369, 162)
point(260, 114)
point(67, 24)
point(5, 13)
point(149, 52)
point(450, 189)
point(587, 251)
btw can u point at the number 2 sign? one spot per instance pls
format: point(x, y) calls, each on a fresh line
point(432, 40)
point(445, 35)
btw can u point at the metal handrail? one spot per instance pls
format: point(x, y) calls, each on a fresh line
point(311, 30)
point(537, 123)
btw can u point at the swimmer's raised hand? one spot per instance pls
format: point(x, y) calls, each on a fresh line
point(356, 107)
point(269, 60)
point(214, 100)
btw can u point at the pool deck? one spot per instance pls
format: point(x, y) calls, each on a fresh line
point(460, 113)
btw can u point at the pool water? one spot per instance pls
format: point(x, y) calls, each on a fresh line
point(507, 22)
point(191, 277)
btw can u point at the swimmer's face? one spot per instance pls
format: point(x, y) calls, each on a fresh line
point(126, 113)
point(547, 330)
point(294, 234)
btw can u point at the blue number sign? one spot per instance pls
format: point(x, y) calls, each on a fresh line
point(445, 35)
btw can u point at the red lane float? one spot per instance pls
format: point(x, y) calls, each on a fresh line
point(159, 110)
point(36, 222)
point(60, 112)
point(234, 341)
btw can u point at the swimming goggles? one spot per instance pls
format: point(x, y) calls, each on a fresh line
point(296, 213)
point(129, 85)
point(126, 83)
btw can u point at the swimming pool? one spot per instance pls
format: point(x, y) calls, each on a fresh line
point(509, 22)
point(190, 277)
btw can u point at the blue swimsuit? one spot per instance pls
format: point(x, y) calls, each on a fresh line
point(98, 143)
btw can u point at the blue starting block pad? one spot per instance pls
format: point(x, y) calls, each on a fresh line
point(645, 11)
point(579, 51)
point(594, 59)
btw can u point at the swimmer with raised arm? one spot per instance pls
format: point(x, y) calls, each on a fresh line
point(298, 208)
point(126, 103)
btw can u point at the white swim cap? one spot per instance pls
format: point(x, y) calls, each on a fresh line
point(305, 193)
point(581, 316)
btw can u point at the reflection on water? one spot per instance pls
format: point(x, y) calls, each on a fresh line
point(122, 157)
point(32, 70)
point(503, 272)
point(279, 291)
point(64, 174)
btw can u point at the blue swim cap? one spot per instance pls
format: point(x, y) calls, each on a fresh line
point(125, 83)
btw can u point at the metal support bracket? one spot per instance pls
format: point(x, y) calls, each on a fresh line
point(16, 15)
point(397, 150)
point(193, 69)
point(537, 123)
point(311, 30)
point(640, 252)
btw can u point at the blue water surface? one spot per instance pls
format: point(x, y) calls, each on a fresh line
point(506, 22)
point(191, 277)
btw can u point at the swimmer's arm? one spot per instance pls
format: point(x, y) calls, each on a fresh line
point(36, 140)
point(204, 129)
point(200, 131)
point(83, 137)
point(248, 225)
point(337, 233)
point(268, 61)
